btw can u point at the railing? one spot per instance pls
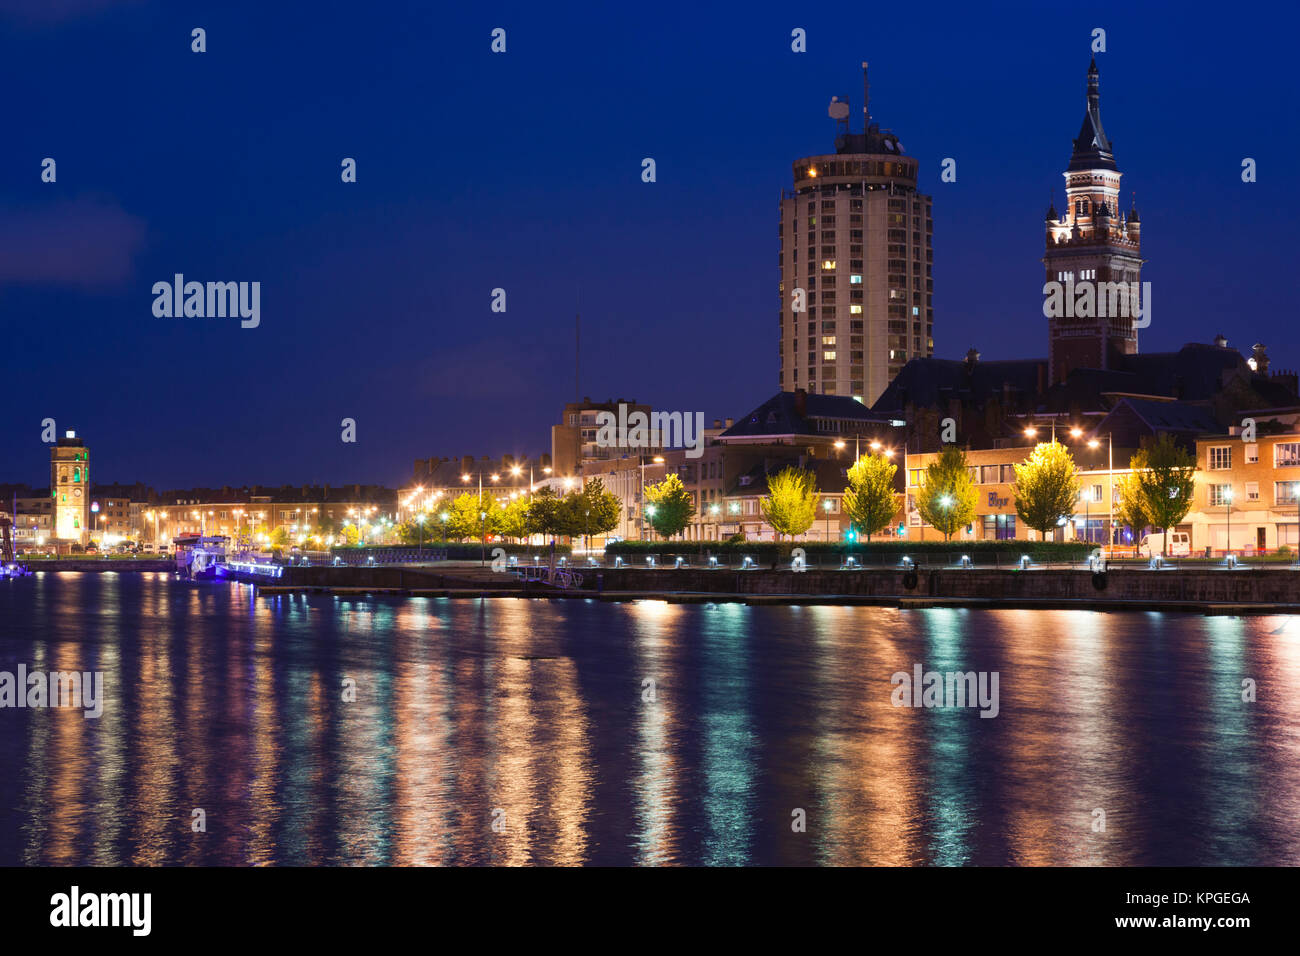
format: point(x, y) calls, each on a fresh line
point(373, 557)
point(542, 574)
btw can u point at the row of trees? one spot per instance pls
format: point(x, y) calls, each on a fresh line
point(1157, 493)
point(590, 511)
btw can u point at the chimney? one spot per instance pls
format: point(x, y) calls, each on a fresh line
point(717, 423)
point(1220, 342)
point(730, 422)
point(800, 402)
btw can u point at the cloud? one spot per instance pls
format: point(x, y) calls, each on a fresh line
point(86, 243)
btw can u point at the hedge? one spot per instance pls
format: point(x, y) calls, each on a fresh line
point(460, 551)
point(767, 550)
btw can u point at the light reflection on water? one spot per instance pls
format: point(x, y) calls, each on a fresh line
point(516, 732)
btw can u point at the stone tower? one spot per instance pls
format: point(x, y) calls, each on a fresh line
point(1090, 243)
point(70, 488)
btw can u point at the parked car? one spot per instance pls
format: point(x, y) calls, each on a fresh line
point(1180, 545)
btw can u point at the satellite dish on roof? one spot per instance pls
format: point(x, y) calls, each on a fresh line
point(838, 109)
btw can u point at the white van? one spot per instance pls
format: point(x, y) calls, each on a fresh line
point(1180, 545)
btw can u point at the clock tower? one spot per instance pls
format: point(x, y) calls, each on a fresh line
point(70, 488)
point(1091, 242)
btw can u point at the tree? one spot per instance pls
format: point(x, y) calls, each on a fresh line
point(1047, 487)
point(464, 515)
point(593, 510)
point(544, 516)
point(415, 529)
point(1131, 508)
point(946, 500)
point(514, 519)
point(790, 505)
point(1167, 481)
point(350, 535)
point(279, 538)
point(669, 506)
point(870, 500)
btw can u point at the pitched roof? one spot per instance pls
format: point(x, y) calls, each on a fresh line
point(928, 382)
point(782, 415)
point(1167, 416)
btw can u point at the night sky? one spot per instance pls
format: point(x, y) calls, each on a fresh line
point(523, 171)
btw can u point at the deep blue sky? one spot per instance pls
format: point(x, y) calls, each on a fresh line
point(522, 171)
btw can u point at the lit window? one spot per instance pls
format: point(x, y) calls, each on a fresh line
point(828, 265)
point(855, 310)
point(1220, 457)
point(1285, 492)
point(828, 340)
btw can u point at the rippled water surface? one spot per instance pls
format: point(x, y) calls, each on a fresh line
point(540, 718)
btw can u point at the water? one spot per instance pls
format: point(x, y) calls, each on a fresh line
point(532, 714)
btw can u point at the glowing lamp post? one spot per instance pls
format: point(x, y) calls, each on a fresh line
point(1227, 507)
point(945, 502)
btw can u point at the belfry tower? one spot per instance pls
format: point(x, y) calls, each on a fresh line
point(1090, 241)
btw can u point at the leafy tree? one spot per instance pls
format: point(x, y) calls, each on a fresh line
point(514, 518)
point(790, 505)
point(669, 506)
point(593, 510)
point(1131, 508)
point(946, 500)
point(870, 500)
point(465, 515)
point(544, 513)
point(350, 535)
point(416, 529)
point(1167, 481)
point(279, 538)
point(1047, 487)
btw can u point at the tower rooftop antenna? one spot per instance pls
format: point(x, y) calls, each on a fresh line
point(866, 89)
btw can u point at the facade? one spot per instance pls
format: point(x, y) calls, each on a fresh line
point(32, 511)
point(994, 474)
point(70, 488)
point(1247, 493)
point(573, 441)
point(439, 480)
point(1091, 242)
point(256, 514)
point(856, 261)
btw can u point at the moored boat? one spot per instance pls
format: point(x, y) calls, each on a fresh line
point(198, 557)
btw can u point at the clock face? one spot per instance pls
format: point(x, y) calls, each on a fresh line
point(76, 492)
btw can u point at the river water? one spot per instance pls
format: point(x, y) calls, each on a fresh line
point(327, 730)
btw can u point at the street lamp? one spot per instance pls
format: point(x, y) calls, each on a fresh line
point(826, 507)
point(945, 502)
point(658, 460)
point(419, 519)
point(1110, 487)
point(1227, 507)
